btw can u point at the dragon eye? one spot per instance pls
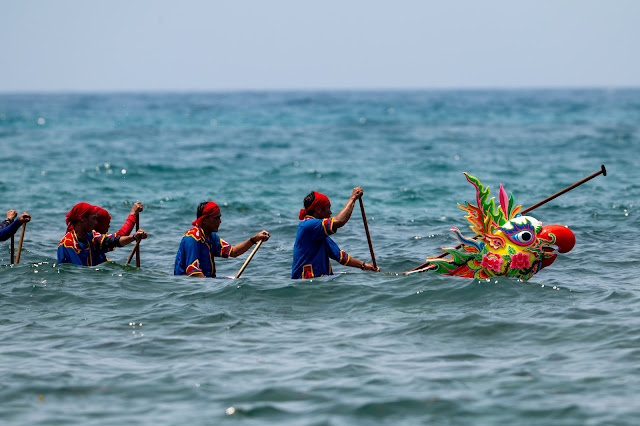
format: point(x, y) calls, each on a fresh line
point(521, 230)
point(522, 237)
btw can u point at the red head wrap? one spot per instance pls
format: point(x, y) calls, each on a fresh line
point(210, 208)
point(319, 202)
point(104, 219)
point(79, 211)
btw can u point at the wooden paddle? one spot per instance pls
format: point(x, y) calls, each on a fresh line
point(134, 250)
point(137, 246)
point(602, 171)
point(246, 262)
point(366, 229)
point(24, 228)
point(13, 243)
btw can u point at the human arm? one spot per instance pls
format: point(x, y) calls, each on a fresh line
point(241, 248)
point(131, 219)
point(106, 242)
point(128, 239)
point(343, 217)
point(10, 230)
point(11, 215)
point(345, 259)
point(356, 263)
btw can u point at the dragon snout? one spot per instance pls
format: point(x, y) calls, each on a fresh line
point(565, 240)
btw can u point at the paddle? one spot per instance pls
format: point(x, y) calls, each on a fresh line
point(602, 171)
point(366, 229)
point(12, 249)
point(137, 246)
point(24, 228)
point(246, 262)
point(134, 250)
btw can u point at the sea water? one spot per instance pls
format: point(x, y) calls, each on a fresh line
point(113, 344)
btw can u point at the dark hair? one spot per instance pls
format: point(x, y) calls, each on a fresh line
point(308, 200)
point(201, 207)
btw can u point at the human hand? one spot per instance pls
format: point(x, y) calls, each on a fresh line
point(369, 267)
point(24, 218)
point(260, 236)
point(357, 193)
point(11, 215)
point(137, 208)
point(140, 235)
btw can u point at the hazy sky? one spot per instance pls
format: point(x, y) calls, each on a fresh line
point(83, 45)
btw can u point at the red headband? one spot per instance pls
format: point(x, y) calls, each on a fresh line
point(210, 208)
point(79, 211)
point(319, 202)
point(104, 219)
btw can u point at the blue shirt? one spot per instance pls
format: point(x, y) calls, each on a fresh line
point(9, 229)
point(313, 248)
point(91, 253)
point(196, 253)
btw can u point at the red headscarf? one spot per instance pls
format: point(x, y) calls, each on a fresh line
point(79, 211)
point(210, 208)
point(319, 202)
point(104, 219)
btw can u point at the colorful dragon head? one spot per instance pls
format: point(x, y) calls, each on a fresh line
point(506, 243)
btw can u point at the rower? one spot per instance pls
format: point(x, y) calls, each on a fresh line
point(201, 244)
point(81, 245)
point(313, 246)
point(9, 226)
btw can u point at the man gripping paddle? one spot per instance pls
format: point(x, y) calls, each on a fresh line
point(313, 246)
point(9, 226)
point(201, 244)
point(81, 245)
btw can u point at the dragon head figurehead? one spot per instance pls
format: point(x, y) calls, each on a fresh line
point(506, 243)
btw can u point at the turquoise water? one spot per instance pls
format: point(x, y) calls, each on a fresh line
point(113, 344)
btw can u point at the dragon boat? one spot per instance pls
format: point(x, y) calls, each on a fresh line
point(506, 243)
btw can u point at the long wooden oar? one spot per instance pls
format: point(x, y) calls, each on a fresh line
point(24, 228)
point(246, 262)
point(134, 250)
point(366, 229)
point(137, 246)
point(602, 171)
point(13, 249)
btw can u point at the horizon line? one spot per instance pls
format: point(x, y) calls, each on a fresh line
point(311, 89)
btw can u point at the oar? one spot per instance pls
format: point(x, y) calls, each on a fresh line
point(602, 171)
point(366, 229)
point(246, 262)
point(24, 228)
point(12, 249)
point(134, 250)
point(137, 246)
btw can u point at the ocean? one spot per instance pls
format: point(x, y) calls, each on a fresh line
point(114, 344)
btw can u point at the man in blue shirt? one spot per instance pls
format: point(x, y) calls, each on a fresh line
point(201, 244)
point(81, 245)
point(313, 247)
point(9, 226)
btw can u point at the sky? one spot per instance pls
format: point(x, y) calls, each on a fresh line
point(210, 45)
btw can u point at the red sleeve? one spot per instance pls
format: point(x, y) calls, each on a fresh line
point(127, 227)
